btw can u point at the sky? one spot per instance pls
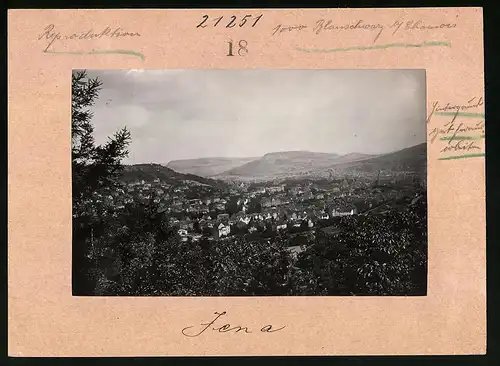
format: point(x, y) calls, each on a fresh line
point(186, 114)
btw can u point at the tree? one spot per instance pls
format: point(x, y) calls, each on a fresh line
point(371, 255)
point(232, 206)
point(254, 206)
point(94, 167)
point(197, 227)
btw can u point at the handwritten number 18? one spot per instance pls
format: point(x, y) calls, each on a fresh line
point(242, 48)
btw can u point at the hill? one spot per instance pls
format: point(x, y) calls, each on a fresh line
point(289, 164)
point(352, 157)
point(410, 159)
point(150, 172)
point(280, 164)
point(303, 164)
point(206, 167)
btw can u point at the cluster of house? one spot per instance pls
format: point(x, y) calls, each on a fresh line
point(278, 196)
point(224, 225)
point(284, 208)
point(280, 206)
point(269, 196)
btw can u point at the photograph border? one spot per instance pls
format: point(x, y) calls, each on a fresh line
point(397, 359)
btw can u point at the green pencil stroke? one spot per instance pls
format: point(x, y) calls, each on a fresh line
point(452, 138)
point(463, 156)
point(377, 47)
point(461, 114)
point(100, 52)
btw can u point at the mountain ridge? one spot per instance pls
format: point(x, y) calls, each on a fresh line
point(284, 164)
point(209, 166)
point(289, 163)
point(413, 158)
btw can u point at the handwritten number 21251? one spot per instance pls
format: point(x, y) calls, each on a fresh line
point(232, 22)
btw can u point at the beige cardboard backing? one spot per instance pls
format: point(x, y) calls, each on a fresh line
point(44, 318)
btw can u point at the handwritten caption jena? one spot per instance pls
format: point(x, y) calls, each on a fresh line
point(218, 326)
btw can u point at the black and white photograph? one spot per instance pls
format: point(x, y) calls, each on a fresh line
point(227, 182)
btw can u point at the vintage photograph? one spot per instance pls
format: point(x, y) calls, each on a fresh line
point(249, 182)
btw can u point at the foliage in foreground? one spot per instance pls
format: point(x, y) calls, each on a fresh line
point(136, 253)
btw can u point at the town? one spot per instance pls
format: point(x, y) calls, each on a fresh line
point(264, 209)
